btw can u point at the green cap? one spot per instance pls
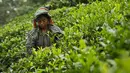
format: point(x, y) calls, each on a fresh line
point(41, 10)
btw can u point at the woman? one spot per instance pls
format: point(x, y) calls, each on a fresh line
point(44, 32)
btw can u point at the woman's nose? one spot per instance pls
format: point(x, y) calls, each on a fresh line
point(42, 22)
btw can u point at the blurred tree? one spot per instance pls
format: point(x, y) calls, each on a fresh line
point(12, 8)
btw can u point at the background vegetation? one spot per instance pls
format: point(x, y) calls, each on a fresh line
point(96, 40)
point(12, 8)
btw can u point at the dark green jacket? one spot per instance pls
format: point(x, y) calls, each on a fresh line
point(36, 38)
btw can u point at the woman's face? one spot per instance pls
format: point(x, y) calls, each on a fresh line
point(42, 22)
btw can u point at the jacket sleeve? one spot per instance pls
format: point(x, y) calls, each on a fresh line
point(56, 29)
point(30, 43)
point(57, 32)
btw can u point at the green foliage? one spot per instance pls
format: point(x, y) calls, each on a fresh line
point(58, 3)
point(12, 8)
point(96, 40)
point(54, 4)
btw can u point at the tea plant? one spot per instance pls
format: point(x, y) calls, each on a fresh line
point(96, 40)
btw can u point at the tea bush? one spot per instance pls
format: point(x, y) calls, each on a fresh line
point(96, 40)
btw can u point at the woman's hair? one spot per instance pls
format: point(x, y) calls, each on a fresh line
point(40, 16)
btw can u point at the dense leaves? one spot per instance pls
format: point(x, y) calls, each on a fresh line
point(96, 40)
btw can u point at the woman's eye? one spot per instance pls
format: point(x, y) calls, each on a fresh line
point(44, 19)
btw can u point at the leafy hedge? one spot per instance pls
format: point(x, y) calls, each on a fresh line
point(96, 40)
